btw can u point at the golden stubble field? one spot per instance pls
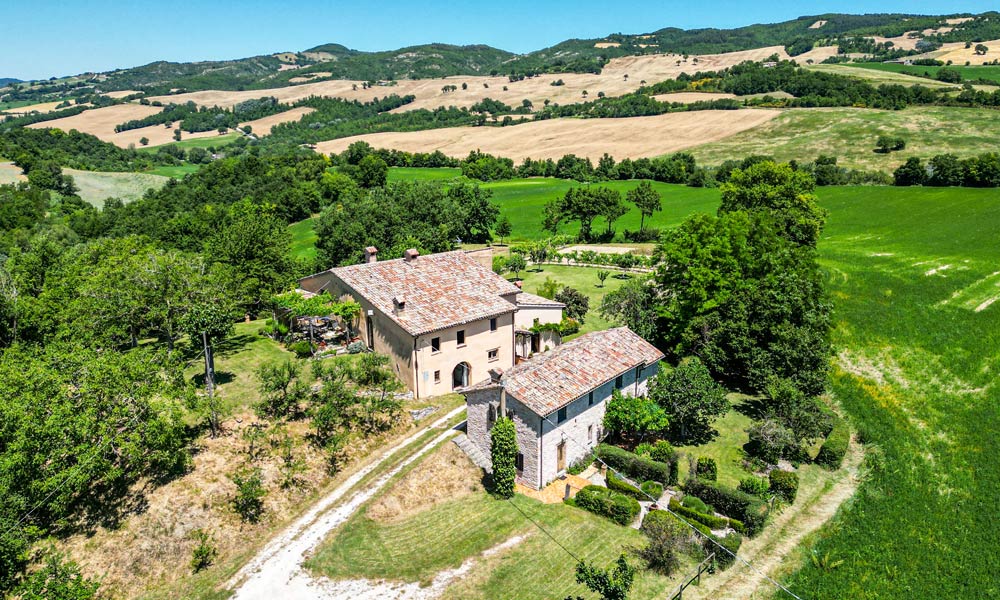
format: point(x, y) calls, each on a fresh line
point(634, 137)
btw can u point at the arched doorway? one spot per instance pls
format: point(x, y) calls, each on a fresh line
point(460, 376)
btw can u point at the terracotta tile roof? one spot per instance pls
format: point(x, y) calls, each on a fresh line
point(439, 290)
point(526, 299)
point(549, 381)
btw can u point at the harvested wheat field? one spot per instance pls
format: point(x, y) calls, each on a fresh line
point(43, 107)
point(10, 174)
point(264, 125)
point(634, 137)
point(121, 93)
point(958, 54)
point(620, 76)
point(692, 97)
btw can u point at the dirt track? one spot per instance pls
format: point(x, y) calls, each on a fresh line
point(634, 137)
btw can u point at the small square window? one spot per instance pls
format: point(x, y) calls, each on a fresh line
point(561, 415)
point(493, 324)
point(519, 462)
point(492, 355)
point(461, 337)
point(437, 376)
point(590, 398)
point(618, 383)
point(590, 433)
point(435, 344)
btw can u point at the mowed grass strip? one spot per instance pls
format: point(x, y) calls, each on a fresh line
point(583, 279)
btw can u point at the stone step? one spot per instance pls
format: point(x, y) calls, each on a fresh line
point(473, 452)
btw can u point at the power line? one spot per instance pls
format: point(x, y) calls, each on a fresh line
point(17, 524)
point(545, 531)
point(679, 517)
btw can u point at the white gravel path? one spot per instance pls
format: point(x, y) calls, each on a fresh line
point(277, 573)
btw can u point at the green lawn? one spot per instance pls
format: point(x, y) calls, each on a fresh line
point(726, 448)
point(581, 278)
point(850, 135)
point(968, 73)
point(421, 545)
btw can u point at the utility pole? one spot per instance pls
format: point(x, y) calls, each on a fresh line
point(213, 414)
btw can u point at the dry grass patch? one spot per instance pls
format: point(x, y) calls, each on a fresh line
point(264, 125)
point(446, 475)
point(634, 137)
point(692, 97)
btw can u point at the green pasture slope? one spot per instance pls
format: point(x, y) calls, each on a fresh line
point(911, 273)
point(968, 73)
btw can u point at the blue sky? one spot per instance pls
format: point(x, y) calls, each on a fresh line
point(43, 38)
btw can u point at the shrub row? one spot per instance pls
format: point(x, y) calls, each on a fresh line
point(731, 542)
point(600, 500)
point(654, 515)
point(831, 454)
point(712, 521)
point(784, 484)
point(619, 485)
point(637, 467)
point(733, 503)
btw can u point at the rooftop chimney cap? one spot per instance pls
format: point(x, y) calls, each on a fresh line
point(371, 250)
point(495, 375)
point(411, 254)
point(371, 254)
point(519, 284)
point(399, 301)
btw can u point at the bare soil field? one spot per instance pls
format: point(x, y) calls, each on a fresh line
point(620, 76)
point(632, 137)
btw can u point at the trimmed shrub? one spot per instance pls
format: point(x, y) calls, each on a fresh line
point(831, 454)
point(600, 500)
point(655, 515)
point(733, 503)
point(755, 486)
point(784, 484)
point(636, 467)
point(652, 488)
point(707, 468)
point(712, 521)
point(663, 451)
point(618, 484)
point(302, 349)
point(694, 502)
point(356, 347)
point(581, 465)
point(644, 449)
point(731, 542)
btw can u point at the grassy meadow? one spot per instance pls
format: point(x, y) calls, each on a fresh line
point(96, 186)
point(879, 77)
point(850, 135)
point(216, 141)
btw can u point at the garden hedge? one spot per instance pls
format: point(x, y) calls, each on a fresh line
point(600, 500)
point(831, 454)
point(621, 486)
point(731, 542)
point(741, 506)
point(712, 521)
point(707, 468)
point(637, 467)
point(784, 484)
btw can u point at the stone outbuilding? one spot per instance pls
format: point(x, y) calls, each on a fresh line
point(557, 399)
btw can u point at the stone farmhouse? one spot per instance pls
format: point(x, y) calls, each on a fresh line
point(557, 399)
point(445, 319)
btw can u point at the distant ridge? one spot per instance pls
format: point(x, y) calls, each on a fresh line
point(8, 80)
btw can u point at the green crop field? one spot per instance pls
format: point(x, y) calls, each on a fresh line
point(968, 73)
point(176, 171)
point(424, 174)
point(879, 77)
point(850, 135)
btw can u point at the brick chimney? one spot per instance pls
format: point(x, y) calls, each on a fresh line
point(371, 254)
point(411, 255)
